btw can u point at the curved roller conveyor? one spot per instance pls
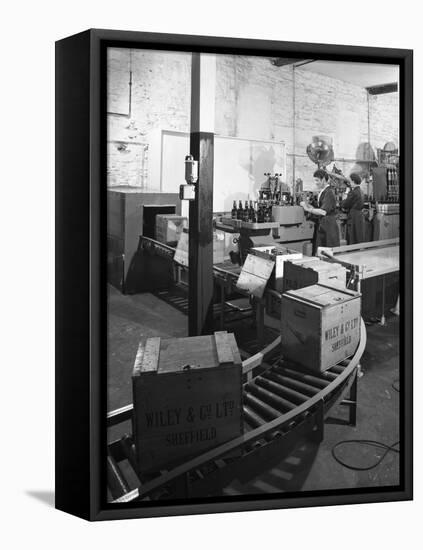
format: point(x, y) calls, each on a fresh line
point(280, 406)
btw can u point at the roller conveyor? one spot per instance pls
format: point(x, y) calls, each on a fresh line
point(281, 406)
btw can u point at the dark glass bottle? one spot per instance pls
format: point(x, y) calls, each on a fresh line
point(240, 212)
point(246, 212)
point(234, 211)
point(251, 212)
point(259, 220)
point(267, 210)
point(253, 217)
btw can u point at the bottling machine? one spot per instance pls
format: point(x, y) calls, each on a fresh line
point(275, 218)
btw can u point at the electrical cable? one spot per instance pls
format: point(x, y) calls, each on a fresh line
point(370, 443)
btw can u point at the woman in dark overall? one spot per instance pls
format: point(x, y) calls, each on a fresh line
point(353, 205)
point(326, 231)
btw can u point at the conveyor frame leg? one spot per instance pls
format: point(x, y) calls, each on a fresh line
point(260, 322)
point(222, 306)
point(318, 429)
point(351, 401)
point(383, 319)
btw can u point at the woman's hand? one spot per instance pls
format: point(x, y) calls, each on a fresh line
point(306, 206)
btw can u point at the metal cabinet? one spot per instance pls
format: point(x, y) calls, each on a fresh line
point(131, 213)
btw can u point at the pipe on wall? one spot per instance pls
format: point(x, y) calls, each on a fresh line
point(293, 129)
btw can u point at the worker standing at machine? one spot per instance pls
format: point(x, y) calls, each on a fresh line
point(326, 232)
point(353, 205)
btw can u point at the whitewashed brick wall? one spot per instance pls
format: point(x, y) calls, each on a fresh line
point(254, 99)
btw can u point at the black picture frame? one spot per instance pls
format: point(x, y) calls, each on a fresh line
point(81, 280)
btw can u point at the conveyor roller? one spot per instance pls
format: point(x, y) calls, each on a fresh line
point(279, 405)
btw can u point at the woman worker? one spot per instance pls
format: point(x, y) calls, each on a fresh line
point(353, 205)
point(326, 231)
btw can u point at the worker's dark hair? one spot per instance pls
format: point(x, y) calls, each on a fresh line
point(355, 178)
point(321, 174)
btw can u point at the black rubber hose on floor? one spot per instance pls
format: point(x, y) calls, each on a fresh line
point(368, 442)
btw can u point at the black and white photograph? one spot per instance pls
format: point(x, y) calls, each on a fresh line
point(253, 275)
point(211, 266)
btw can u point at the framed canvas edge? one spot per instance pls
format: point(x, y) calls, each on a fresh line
point(91, 463)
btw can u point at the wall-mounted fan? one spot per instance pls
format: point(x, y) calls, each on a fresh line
point(320, 151)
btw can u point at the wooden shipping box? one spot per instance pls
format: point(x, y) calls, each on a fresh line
point(311, 271)
point(255, 274)
point(187, 398)
point(182, 256)
point(279, 255)
point(169, 228)
point(320, 326)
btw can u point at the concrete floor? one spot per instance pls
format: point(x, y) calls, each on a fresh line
point(310, 466)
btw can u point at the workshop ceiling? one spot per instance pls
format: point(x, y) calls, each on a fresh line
point(359, 74)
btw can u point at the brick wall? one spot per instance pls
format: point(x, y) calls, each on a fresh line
point(254, 99)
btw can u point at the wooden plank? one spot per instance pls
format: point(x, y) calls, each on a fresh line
point(361, 246)
point(177, 353)
point(255, 274)
point(150, 360)
point(235, 350)
point(138, 359)
point(223, 348)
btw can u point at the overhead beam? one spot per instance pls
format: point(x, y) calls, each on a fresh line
point(283, 61)
point(383, 88)
point(200, 291)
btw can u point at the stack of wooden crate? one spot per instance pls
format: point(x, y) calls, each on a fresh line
point(279, 255)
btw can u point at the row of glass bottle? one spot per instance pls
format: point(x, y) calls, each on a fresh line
point(257, 212)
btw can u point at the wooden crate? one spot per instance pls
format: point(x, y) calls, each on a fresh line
point(320, 326)
point(272, 305)
point(311, 271)
point(255, 274)
point(279, 255)
point(169, 228)
point(187, 398)
point(182, 247)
